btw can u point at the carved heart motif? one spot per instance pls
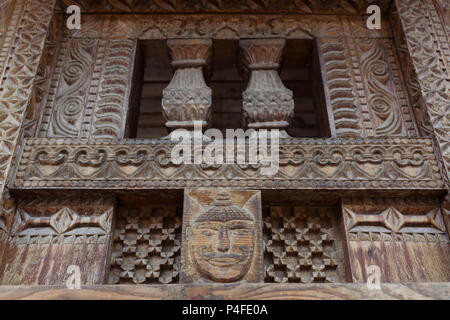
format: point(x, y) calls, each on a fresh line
point(328, 163)
point(48, 163)
point(128, 163)
point(90, 163)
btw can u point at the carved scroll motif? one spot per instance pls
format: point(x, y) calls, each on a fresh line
point(187, 98)
point(267, 103)
point(221, 236)
point(380, 94)
point(88, 95)
point(71, 99)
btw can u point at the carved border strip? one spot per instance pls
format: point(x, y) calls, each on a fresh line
point(247, 291)
point(252, 6)
point(304, 164)
point(160, 26)
point(429, 62)
point(22, 66)
point(10, 25)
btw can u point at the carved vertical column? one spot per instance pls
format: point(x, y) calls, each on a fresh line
point(187, 98)
point(221, 237)
point(19, 70)
point(428, 45)
point(48, 236)
point(267, 103)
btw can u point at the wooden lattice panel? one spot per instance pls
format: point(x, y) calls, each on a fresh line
point(146, 246)
point(302, 245)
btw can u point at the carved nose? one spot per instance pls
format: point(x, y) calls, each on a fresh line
point(224, 243)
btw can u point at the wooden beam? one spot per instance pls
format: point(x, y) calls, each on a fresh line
point(344, 291)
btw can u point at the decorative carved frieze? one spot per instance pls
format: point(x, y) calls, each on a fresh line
point(19, 70)
point(410, 76)
point(213, 26)
point(187, 98)
point(10, 13)
point(429, 50)
point(48, 236)
point(267, 103)
point(303, 163)
point(222, 239)
point(339, 86)
point(42, 81)
point(404, 237)
point(147, 246)
point(89, 89)
point(395, 217)
point(251, 6)
point(382, 104)
point(302, 245)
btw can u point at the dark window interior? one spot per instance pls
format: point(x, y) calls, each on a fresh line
point(300, 72)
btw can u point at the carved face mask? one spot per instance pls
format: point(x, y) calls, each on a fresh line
point(222, 240)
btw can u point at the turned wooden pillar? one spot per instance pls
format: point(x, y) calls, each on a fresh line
point(187, 98)
point(267, 103)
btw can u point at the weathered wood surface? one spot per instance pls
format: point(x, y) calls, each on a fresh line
point(252, 6)
point(48, 236)
point(405, 237)
point(20, 55)
point(419, 291)
point(304, 164)
point(222, 240)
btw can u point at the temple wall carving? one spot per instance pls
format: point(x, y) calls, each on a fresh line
point(397, 235)
point(48, 236)
point(79, 188)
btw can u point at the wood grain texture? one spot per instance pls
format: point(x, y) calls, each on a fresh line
point(344, 291)
point(222, 239)
point(304, 164)
point(47, 236)
point(405, 237)
point(21, 62)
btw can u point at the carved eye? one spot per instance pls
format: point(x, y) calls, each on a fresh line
point(239, 231)
point(207, 233)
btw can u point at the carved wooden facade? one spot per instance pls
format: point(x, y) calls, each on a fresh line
point(80, 187)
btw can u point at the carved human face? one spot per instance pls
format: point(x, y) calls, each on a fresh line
point(222, 250)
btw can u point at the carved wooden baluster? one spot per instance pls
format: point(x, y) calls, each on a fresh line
point(267, 103)
point(187, 98)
